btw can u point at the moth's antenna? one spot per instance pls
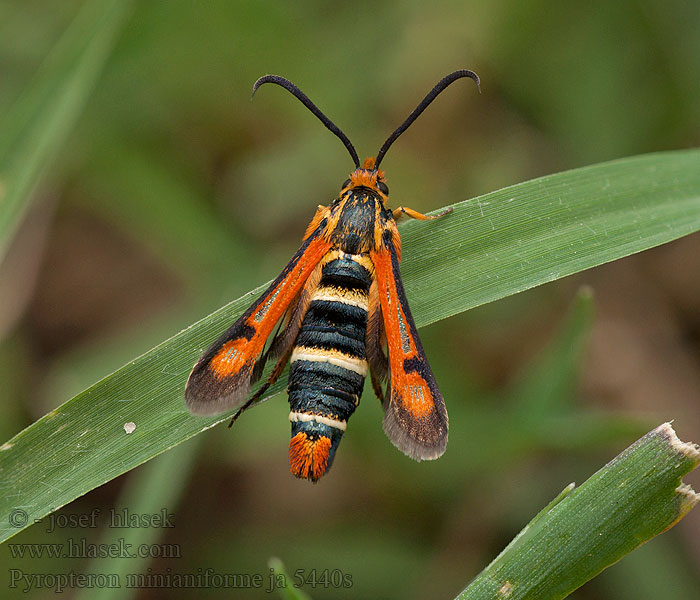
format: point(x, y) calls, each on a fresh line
point(290, 87)
point(432, 94)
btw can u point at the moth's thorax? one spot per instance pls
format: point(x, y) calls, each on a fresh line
point(355, 221)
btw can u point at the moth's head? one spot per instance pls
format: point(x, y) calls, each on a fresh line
point(368, 177)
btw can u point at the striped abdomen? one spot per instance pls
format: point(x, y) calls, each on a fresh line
point(328, 364)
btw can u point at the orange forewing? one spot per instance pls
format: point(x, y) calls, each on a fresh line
point(221, 378)
point(415, 417)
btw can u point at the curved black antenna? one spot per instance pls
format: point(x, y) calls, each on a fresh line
point(432, 94)
point(290, 87)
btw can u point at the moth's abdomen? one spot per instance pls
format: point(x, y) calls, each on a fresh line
point(328, 364)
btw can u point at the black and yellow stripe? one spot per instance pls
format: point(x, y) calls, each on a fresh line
point(329, 362)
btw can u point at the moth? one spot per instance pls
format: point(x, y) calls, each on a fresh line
point(341, 312)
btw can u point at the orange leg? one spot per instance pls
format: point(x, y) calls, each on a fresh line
point(402, 210)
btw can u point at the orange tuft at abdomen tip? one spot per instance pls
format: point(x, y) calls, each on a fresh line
point(308, 458)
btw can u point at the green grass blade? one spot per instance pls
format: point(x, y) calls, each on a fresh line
point(156, 487)
point(636, 496)
point(284, 583)
point(37, 126)
point(489, 247)
point(550, 382)
point(531, 233)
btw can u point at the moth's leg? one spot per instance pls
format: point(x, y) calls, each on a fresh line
point(409, 212)
point(274, 376)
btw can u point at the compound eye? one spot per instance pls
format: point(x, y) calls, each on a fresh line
point(383, 188)
point(346, 184)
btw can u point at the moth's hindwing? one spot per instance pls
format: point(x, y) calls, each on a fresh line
point(222, 377)
point(415, 417)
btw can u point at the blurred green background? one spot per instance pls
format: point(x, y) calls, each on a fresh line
point(175, 194)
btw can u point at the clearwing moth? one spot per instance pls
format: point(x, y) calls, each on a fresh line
point(342, 311)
